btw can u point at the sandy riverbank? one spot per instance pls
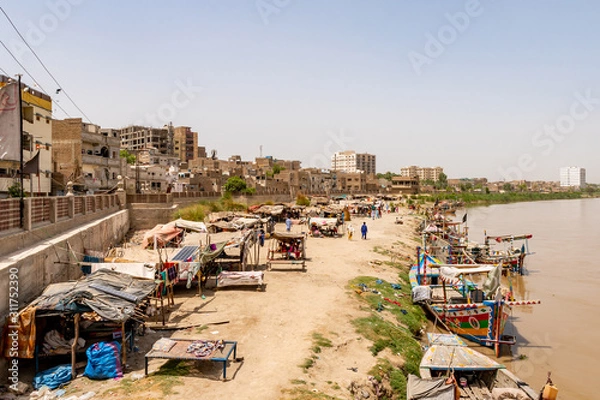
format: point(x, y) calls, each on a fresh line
point(274, 328)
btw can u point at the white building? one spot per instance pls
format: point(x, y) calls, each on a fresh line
point(350, 161)
point(423, 173)
point(572, 177)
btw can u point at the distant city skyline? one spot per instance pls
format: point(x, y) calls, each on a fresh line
point(483, 89)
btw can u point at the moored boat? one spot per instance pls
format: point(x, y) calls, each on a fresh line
point(450, 370)
point(469, 309)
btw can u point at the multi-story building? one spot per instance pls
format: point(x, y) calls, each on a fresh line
point(185, 143)
point(350, 161)
point(36, 140)
point(572, 177)
point(139, 138)
point(423, 173)
point(85, 155)
point(407, 185)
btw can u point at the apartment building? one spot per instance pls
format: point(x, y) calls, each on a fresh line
point(36, 142)
point(86, 155)
point(350, 161)
point(572, 177)
point(423, 173)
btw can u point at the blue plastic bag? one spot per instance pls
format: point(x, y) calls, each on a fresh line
point(53, 377)
point(104, 361)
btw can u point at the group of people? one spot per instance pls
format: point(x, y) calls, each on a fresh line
point(363, 231)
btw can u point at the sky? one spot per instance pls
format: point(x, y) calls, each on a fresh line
point(499, 89)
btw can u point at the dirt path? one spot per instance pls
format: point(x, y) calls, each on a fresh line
point(275, 328)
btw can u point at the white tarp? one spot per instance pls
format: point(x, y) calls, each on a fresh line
point(429, 389)
point(191, 225)
point(240, 278)
point(421, 293)
point(329, 222)
point(452, 274)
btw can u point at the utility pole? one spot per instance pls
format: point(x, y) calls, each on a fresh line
point(21, 191)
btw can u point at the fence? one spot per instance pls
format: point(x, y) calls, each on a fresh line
point(41, 211)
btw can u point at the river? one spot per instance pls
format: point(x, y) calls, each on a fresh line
point(560, 334)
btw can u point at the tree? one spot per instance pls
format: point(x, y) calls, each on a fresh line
point(388, 176)
point(15, 190)
point(442, 182)
point(507, 187)
point(130, 158)
point(235, 184)
point(277, 169)
point(302, 200)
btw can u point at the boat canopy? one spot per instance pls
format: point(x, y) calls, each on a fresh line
point(458, 358)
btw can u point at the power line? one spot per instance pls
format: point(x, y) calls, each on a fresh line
point(4, 72)
point(31, 76)
point(43, 65)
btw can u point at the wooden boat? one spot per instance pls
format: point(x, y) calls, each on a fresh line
point(512, 255)
point(472, 374)
point(449, 293)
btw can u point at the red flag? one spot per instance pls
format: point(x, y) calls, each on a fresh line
point(10, 140)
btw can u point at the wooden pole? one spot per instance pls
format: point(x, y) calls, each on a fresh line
point(74, 346)
point(123, 345)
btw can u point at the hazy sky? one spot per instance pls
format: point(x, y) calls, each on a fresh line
point(501, 89)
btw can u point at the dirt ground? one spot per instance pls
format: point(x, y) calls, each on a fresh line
point(274, 328)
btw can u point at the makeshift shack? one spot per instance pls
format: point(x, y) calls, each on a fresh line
point(319, 227)
point(287, 248)
point(69, 317)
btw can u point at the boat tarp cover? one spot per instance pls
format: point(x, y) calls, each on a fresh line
point(111, 294)
point(446, 339)
point(451, 274)
point(459, 358)
point(429, 389)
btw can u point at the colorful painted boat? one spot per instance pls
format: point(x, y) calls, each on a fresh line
point(462, 305)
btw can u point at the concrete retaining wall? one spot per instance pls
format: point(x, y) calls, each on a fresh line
point(148, 215)
point(47, 262)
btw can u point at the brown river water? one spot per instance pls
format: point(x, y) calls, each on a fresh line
point(562, 333)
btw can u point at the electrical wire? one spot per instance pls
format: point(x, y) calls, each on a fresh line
point(4, 72)
point(44, 65)
point(31, 76)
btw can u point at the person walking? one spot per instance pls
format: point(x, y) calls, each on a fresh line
point(350, 231)
point(288, 224)
point(363, 230)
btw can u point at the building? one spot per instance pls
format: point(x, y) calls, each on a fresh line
point(85, 155)
point(572, 177)
point(423, 173)
point(36, 140)
point(135, 138)
point(350, 161)
point(405, 185)
point(185, 143)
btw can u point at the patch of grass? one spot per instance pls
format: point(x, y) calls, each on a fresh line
point(385, 334)
point(320, 341)
point(335, 386)
point(298, 382)
point(385, 369)
point(196, 212)
point(305, 394)
point(308, 363)
point(202, 328)
point(164, 380)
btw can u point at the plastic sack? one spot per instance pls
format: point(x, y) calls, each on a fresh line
point(53, 377)
point(421, 293)
point(104, 361)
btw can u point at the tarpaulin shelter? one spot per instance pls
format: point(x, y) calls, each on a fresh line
point(104, 296)
point(287, 248)
point(161, 235)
